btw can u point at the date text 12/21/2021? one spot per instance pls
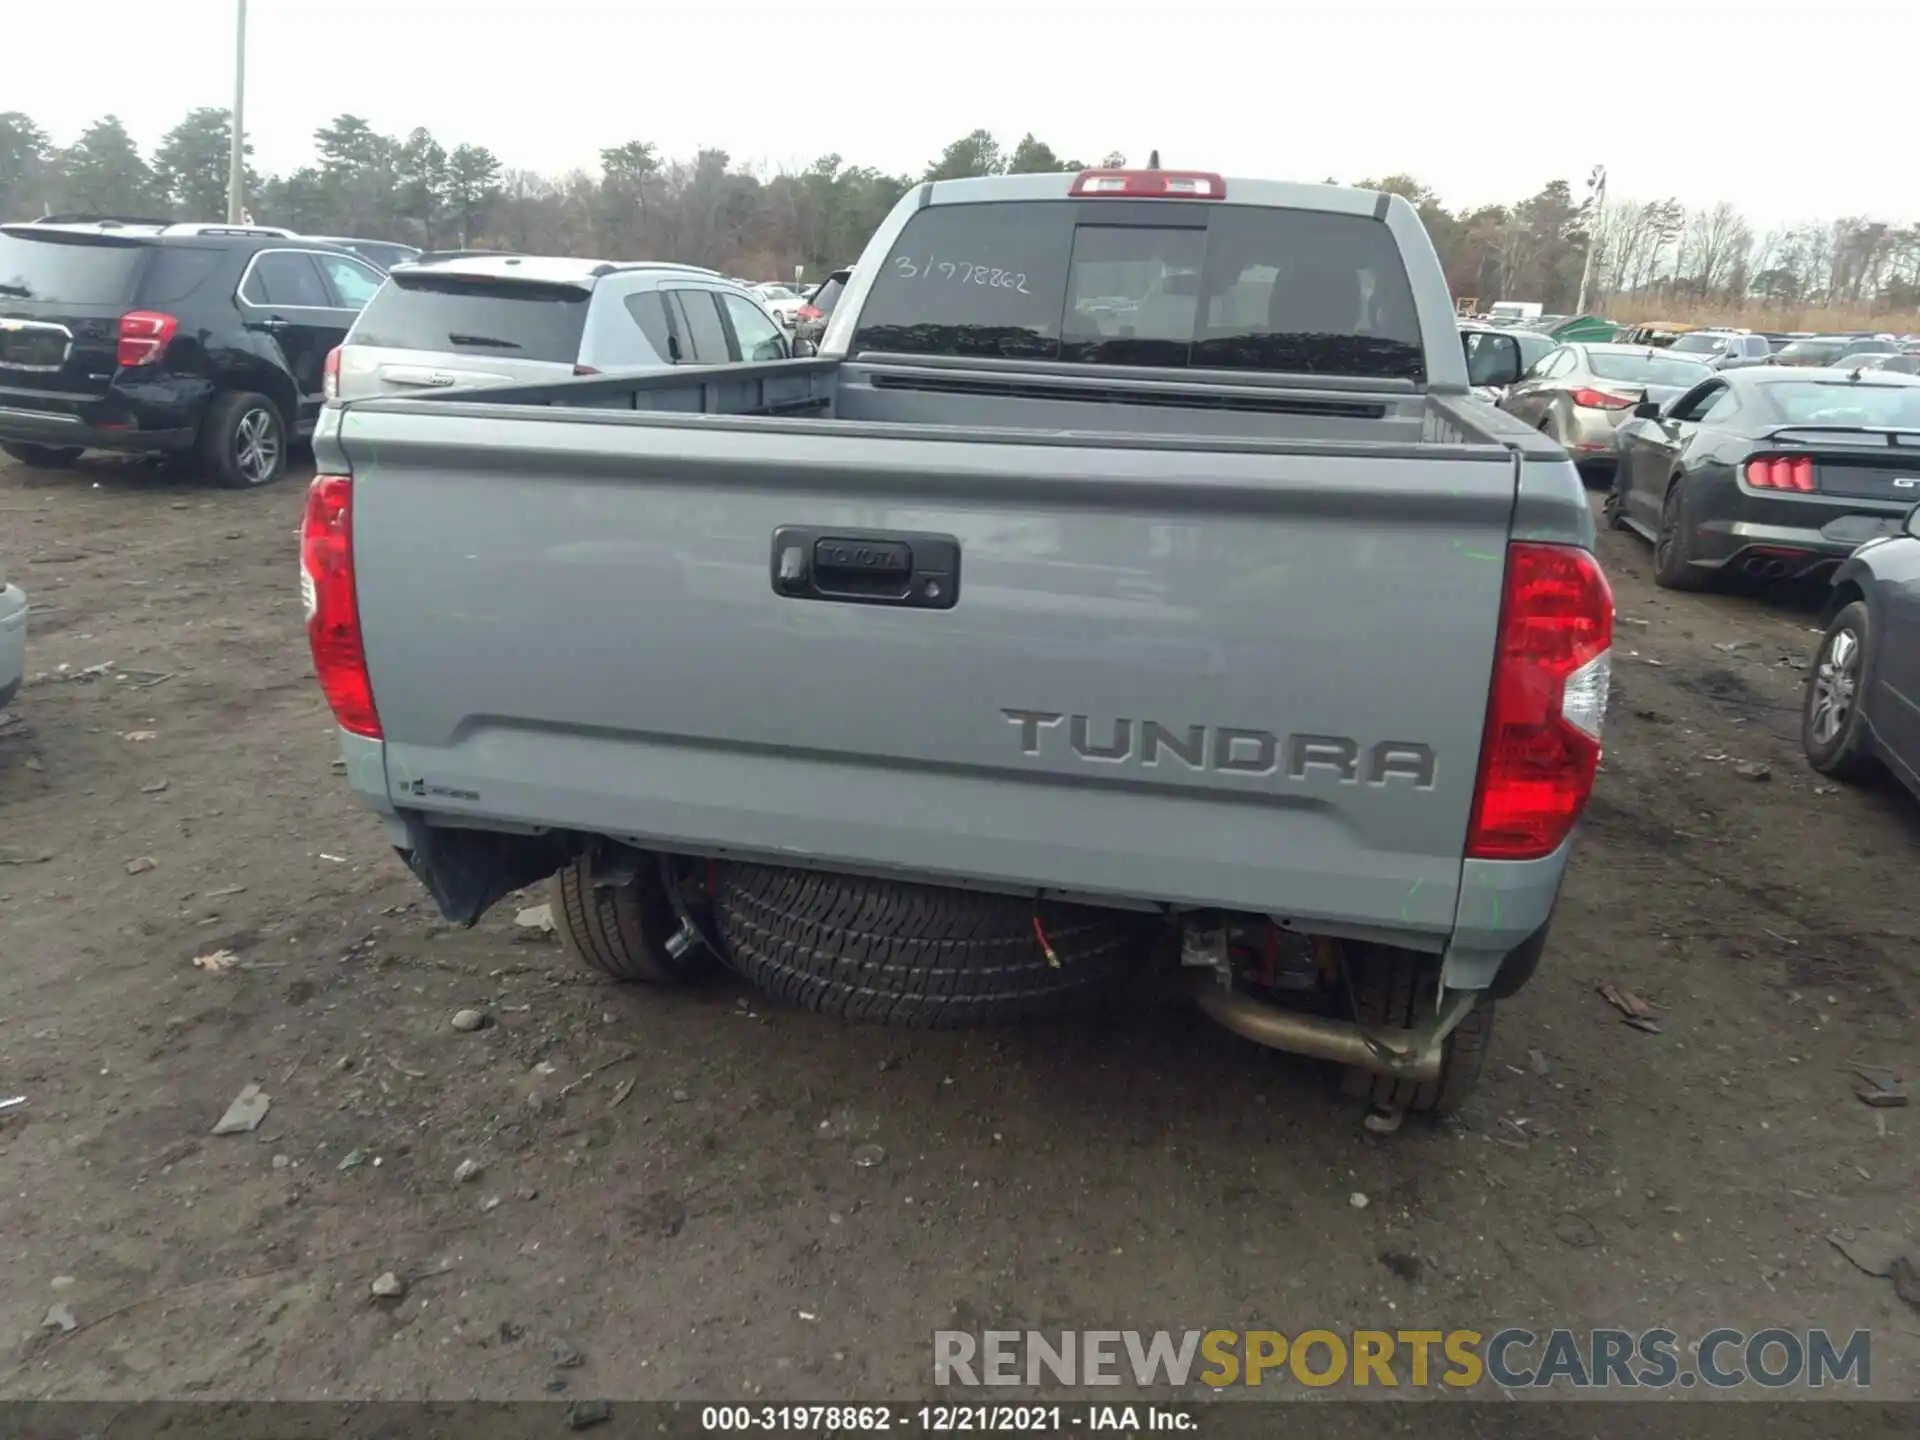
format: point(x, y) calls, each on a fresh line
point(959, 272)
point(947, 1419)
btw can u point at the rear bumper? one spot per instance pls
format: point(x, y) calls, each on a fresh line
point(1591, 438)
point(1787, 537)
point(131, 420)
point(13, 641)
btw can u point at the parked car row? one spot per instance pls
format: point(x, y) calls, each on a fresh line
point(1804, 465)
point(216, 346)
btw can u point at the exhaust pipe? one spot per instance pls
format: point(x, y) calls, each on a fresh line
point(1404, 1054)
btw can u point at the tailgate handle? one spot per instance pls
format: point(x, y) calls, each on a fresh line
point(866, 567)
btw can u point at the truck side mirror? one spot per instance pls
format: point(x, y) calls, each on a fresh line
point(802, 349)
point(1493, 361)
point(1647, 410)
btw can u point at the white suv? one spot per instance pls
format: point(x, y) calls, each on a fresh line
point(507, 319)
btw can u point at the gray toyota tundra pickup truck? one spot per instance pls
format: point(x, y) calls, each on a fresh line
point(1129, 582)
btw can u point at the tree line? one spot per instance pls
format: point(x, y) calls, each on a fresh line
point(1636, 255)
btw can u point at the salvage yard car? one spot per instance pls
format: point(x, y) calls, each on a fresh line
point(1862, 709)
point(1775, 473)
point(493, 319)
point(1580, 394)
point(198, 342)
point(1011, 645)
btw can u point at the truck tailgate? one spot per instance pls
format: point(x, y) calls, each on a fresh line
point(1232, 674)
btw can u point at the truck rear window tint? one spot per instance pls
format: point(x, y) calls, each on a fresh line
point(90, 271)
point(477, 316)
point(1149, 283)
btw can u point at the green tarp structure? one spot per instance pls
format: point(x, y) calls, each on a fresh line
point(1585, 330)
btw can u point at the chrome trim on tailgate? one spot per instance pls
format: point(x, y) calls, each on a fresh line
point(20, 327)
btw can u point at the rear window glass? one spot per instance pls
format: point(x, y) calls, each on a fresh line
point(828, 295)
point(1841, 402)
point(465, 315)
point(176, 271)
point(1666, 369)
point(1812, 350)
point(1149, 283)
point(649, 311)
point(89, 271)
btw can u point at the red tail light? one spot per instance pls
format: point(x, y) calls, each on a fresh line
point(585, 370)
point(144, 335)
point(1781, 472)
point(330, 378)
point(1150, 184)
point(1551, 673)
point(1599, 399)
point(807, 312)
point(333, 609)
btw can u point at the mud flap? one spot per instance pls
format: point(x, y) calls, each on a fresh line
point(467, 872)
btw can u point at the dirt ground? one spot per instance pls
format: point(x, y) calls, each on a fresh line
point(669, 1189)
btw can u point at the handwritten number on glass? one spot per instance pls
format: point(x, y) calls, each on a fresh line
point(960, 272)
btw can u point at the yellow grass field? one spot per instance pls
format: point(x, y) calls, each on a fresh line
point(1816, 318)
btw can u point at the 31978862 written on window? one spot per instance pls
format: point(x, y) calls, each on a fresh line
point(959, 272)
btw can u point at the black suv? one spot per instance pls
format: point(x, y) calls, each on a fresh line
point(811, 318)
point(203, 342)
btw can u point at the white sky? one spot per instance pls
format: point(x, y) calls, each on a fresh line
point(1702, 99)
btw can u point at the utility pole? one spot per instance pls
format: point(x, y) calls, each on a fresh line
point(1596, 201)
point(237, 158)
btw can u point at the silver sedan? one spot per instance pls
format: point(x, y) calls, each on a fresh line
point(1579, 394)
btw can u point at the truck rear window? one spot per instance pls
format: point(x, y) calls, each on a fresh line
point(1148, 283)
point(89, 271)
point(478, 315)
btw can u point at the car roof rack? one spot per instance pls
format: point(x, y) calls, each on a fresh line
point(89, 218)
point(615, 267)
point(433, 256)
point(254, 232)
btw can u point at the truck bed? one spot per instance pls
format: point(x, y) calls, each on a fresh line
point(1042, 399)
point(1239, 661)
